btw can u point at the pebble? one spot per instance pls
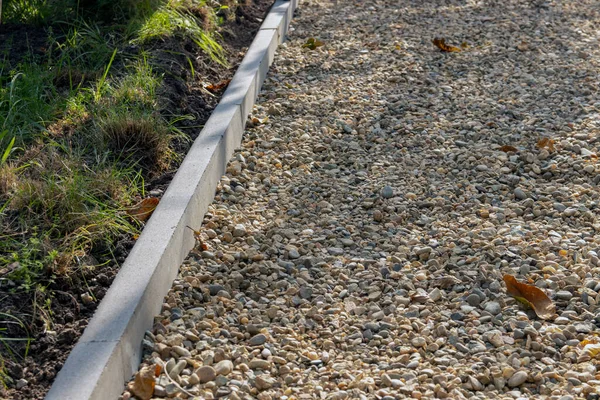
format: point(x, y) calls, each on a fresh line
point(206, 374)
point(517, 379)
point(223, 367)
point(258, 340)
point(387, 192)
point(563, 295)
point(520, 194)
point(474, 300)
point(493, 308)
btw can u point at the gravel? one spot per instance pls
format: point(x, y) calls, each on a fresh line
point(358, 241)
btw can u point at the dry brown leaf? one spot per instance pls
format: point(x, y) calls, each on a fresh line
point(217, 87)
point(508, 149)
point(546, 143)
point(530, 295)
point(143, 383)
point(144, 209)
point(440, 43)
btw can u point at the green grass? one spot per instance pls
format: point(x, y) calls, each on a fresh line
point(173, 19)
point(83, 126)
point(27, 102)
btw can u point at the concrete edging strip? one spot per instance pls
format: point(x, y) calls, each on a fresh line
point(109, 351)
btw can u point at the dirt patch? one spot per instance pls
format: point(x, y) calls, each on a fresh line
point(183, 94)
point(18, 41)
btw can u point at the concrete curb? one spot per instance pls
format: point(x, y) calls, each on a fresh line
point(109, 351)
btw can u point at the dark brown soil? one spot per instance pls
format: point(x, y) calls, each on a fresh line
point(19, 41)
point(181, 94)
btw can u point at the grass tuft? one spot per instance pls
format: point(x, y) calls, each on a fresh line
point(140, 140)
point(173, 20)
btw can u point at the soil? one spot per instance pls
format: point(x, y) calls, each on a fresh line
point(18, 42)
point(182, 94)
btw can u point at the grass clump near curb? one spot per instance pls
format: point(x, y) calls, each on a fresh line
point(88, 116)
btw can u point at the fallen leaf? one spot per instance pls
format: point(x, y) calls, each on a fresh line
point(589, 351)
point(530, 296)
point(546, 143)
point(258, 121)
point(312, 43)
point(143, 383)
point(217, 87)
point(440, 43)
point(585, 342)
point(144, 209)
point(508, 149)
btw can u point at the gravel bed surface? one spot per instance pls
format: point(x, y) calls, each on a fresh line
point(356, 247)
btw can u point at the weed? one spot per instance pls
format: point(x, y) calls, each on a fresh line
point(8, 149)
point(32, 12)
point(138, 88)
point(82, 52)
point(27, 103)
point(101, 84)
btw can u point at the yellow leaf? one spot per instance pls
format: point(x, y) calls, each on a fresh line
point(312, 43)
point(589, 351)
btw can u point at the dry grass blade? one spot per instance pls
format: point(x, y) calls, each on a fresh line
point(530, 295)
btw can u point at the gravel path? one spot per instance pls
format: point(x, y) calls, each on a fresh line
point(356, 246)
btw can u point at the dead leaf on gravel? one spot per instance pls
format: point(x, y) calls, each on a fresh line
point(508, 149)
point(259, 121)
point(144, 209)
point(143, 383)
point(589, 351)
point(440, 43)
point(546, 143)
point(530, 296)
point(312, 43)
